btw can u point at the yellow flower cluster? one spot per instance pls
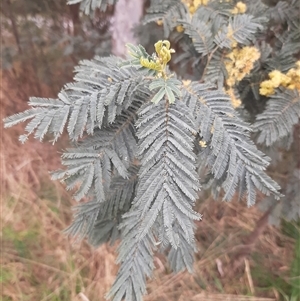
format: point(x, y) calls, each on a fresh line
point(239, 8)
point(240, 64)
point(290, 80)
point(194, 4)
point(294, 75)
point(163, 52)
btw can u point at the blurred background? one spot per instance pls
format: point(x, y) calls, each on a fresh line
point(241, 255)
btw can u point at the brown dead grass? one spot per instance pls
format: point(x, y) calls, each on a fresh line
point(219, 236)
point(39, 263)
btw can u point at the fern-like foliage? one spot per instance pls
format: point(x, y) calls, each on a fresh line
point(166, 193)
point(214, 14)
point(168, 11)
point(283, 12)
point(282, 54)
point(168, 88)
point(286, 47)
point(139, 134)
point(232, 158)
point(213, 29)
point(215, 70)
point(122, 192)
point(101, 91)
point(201, 35)
point(240, 28)
point(98, 220)
point(89, 6)
point(95, 167)
point(281, 114)
point(93, 160)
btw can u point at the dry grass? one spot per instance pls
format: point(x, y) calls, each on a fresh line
point(220, 234)
point(39, 263)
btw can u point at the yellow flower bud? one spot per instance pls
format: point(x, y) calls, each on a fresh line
point(179, 28)
point(202, 143)
point(239, 8)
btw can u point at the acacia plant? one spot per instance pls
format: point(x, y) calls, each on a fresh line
point(142, 136)
point(251, 50)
